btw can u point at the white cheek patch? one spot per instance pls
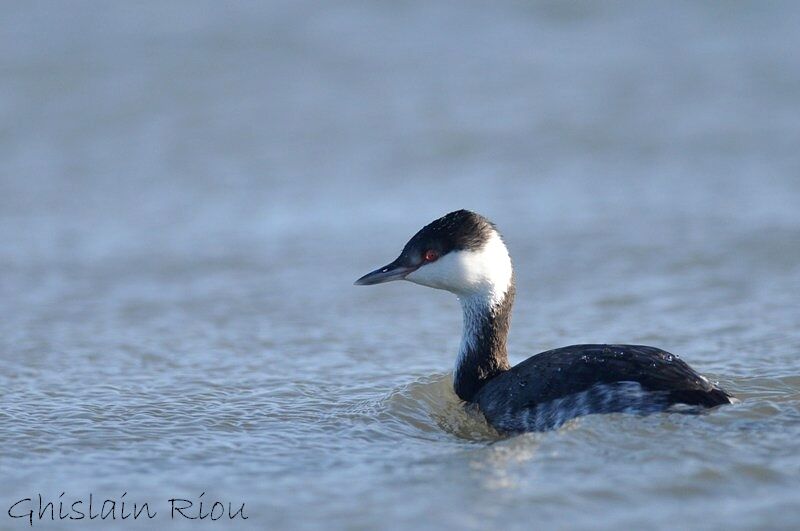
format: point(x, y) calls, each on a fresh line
point(485, 272)
point(445, 273)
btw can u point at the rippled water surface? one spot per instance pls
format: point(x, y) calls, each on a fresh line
point(188, 190)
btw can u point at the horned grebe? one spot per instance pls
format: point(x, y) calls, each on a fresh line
point(464, 254)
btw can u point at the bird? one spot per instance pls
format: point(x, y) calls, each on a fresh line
point(463, 253)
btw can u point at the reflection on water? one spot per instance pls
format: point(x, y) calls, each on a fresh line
point(188, 190)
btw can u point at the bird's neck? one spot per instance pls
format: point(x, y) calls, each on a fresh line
point(483, 354)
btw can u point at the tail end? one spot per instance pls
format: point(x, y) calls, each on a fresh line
point(707, 398)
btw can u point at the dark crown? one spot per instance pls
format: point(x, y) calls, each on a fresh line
point(456, 231)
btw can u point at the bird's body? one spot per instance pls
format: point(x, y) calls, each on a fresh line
point(462, 252)
point(550, 388)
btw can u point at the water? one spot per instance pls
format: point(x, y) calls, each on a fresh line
point(187, 192)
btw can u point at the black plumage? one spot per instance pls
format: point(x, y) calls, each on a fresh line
point(461, 230)
point(662, 379)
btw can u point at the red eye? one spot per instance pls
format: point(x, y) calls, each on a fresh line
point(431, 255)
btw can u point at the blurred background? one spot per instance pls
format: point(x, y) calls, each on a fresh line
point(189, 188)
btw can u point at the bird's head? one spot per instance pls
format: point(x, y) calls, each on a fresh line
point(461, 252)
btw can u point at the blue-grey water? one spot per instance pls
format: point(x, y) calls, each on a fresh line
point(188, 190)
